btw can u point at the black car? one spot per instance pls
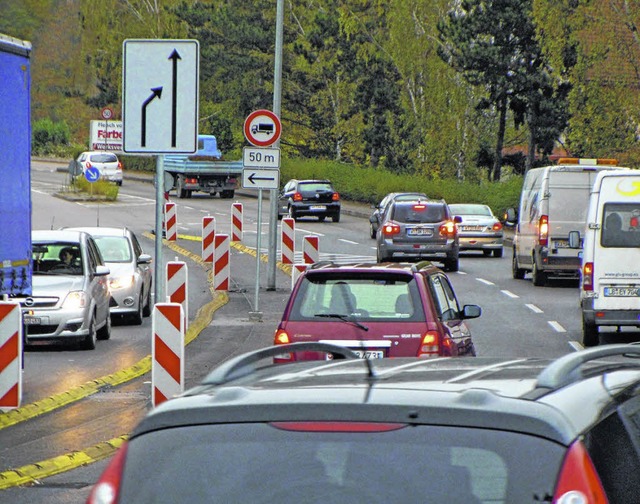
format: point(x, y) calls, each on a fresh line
point(309, 198)
point(378, 210)
point(352, 430)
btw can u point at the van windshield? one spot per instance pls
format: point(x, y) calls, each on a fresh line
point(620, 225)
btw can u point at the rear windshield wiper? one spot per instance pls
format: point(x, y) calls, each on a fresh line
point(344, 318)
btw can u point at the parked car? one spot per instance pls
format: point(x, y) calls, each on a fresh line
point(379, 209)
point(479, 228)
point(70, 293)
point(309, 198)
point(378, 311)
point(131, 274)
point(107, 163)
point(463, 431)
point(419, 229)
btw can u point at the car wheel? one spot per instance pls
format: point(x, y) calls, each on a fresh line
point(105, 331)
point(90, 339)
point(119, 183)
point(146, 311)
point(321, 218)
point(486, 253)
point(291, 213)
point(336, 217)
point(590, 335)
point(380, 257)
point(372, 232)
point(497, 252)
point(452, 263)
point(516, 271)
point(538, 277)
point(136, 318)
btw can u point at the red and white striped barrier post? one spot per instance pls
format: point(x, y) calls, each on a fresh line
point(287, 248)
point(177, 287)
point(10, 355)
point(236, 222)
point(208, 231)
point(170, 221)
point(221, 266)
point(310, 249)
point(296, 271)
point(166, 200)
point(167, 351)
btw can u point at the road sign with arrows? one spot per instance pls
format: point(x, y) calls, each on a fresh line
point(160, 96)
point(255, 178)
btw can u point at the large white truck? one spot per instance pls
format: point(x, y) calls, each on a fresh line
point(553, 203)
point(15, 166)
point(610, 280)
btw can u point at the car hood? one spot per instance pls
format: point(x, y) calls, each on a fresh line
point(56, 285)
point(118, 269)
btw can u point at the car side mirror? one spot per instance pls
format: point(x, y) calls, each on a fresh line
point(471, 311)
point(144, 259)
point(574, 239)
point(511, 216)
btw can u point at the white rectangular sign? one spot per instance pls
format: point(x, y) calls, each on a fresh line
point(106, 135)
point(160, 96)
point(260, 157)
point(255, 178)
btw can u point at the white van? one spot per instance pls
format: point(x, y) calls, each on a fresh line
point(610, 285)
point(553, 202)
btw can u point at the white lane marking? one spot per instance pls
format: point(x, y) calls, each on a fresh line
point(486, 282)
point(576, 345)
point(556, 326)
point(534, 308)
point(510, 294)
point(460, 272)
point(308, 232)
point(348, 241)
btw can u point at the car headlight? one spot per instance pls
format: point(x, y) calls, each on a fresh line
point(75, 300)
point(122, 282)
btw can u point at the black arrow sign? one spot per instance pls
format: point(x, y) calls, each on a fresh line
point(156, 92)
point(254, 176)
point(174, 100)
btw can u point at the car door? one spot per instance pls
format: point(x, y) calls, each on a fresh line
point(449, 312)
point(144, 268)
point(98, 284)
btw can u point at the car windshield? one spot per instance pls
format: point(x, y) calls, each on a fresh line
point(56, 258)
point(419, 213)
point(264, 464)
point(471, 210)
point(114, 248)
point(372, 297)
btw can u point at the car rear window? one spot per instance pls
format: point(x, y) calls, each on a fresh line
point(470, 210)
point(419, 213)
point(103, 158)
point(261, 463)
point(373, 297)
point(313, 187)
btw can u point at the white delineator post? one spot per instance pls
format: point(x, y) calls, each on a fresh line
point(208, 232)
point(177, 285)
point(221, 266)
point(171, 221)
point(310, 249)
point(10, 355)
point(167, 351)
point(287, 247)
point(236, 222)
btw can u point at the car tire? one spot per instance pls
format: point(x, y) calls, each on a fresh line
point(181, 192)
point(380, 257)
point(146, 310)
point(452, 264)
point(516, 271)
point(497, 252)
point(291, 213)
point(89, 342)
point(321, 218)
point(136, 318)
point(590, 335)
point(105, 331)
point(372, 231)
point(486, 253)
point(119, 183)
point(227, 194)
point(538, 277)
point(336, 217)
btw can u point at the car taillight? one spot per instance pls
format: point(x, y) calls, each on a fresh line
point(587, 276)
point(87, 164)
point(282, 338)
point(497, 226)
point(120, 165)
point(335, 197)
point(105, 491)
point(430, 345)
point(390, 229)
point(543, 230)
point(297, 196)
point(449, 228)
point(634, 222)
point(578, 482)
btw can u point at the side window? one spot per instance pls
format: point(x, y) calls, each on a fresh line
point(95, 258)
point(444, 297)
point(137, 249)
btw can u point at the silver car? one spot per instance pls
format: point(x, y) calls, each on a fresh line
point(70, 292)
point(107, 163)
point(131, 273)
point(380, 208)
point(480, 229)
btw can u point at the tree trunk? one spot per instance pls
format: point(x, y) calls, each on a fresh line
point(531, 151)
point(497, 162)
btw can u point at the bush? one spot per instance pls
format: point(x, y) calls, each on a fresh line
point(47, 136)
point(100, 187)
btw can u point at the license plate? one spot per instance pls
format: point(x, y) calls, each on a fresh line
point(32, 320)
point(472, 228)
point(318, 207)
point(561, 243)
point(621, 291)
point(369, 354)
point(419, 232)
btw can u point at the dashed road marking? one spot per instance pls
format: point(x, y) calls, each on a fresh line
point(486, 282)
point(510, 294)
point(576, 345)
point(534, 308)
point(348, 241)
point(556, 326)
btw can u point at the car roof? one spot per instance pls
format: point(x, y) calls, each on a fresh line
point(100, 152)
point(103, 231)
point(68, 235)
point(530, 395)
point(386, 267)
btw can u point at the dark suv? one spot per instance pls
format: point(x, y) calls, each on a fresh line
point(419, 229)
point(461, 431)
point(309, 198)
point(377, 310)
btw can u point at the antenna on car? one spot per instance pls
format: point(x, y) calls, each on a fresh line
point(52, 220)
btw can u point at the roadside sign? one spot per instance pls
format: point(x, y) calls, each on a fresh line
point(257, 157)
point(92, 174)
point(262, 128)
point(255, 178)
point(106, 113)
point(160, 96)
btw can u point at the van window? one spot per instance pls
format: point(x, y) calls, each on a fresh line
point(620, 225)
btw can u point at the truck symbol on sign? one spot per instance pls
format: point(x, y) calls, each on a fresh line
point(262, 128)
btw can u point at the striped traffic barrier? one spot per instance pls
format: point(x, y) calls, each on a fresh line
point(177, 285)
point(167, 352)
point(287, 248)
point(208, 231)
point(221, 266)
point(296, 271)
point(10, 355)
point(310, 249)
point(170, 221)
point(236, 222)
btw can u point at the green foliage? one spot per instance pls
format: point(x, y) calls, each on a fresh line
point(103, 188)
point(48, 135)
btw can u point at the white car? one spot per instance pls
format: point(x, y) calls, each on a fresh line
point(479, 228)
point(107, 163)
